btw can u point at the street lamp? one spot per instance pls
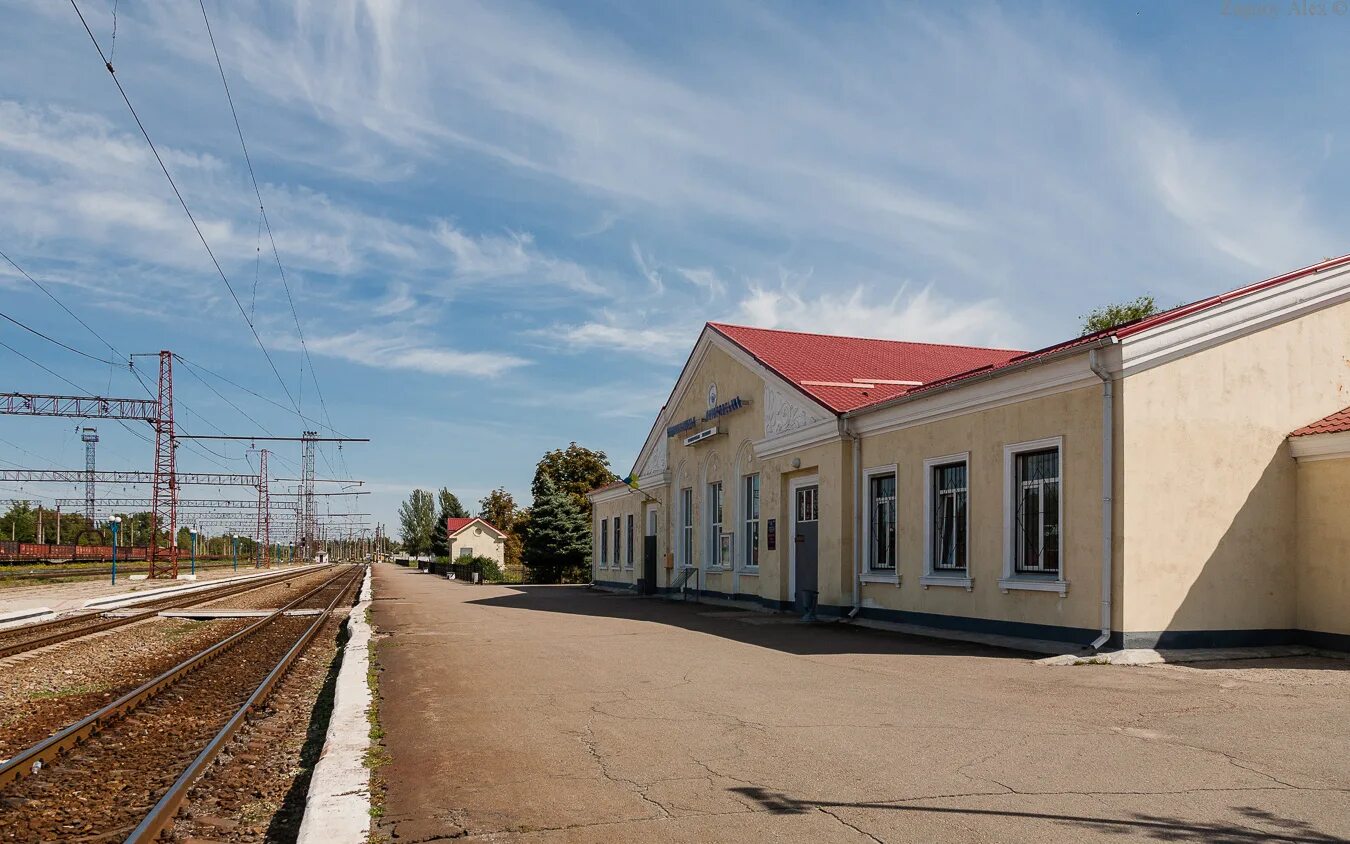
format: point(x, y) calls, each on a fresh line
point(235, 538)
point(193, 533)
point(113, 524)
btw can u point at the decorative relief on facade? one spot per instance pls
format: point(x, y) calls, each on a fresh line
point(657, 461)
point(782, 415)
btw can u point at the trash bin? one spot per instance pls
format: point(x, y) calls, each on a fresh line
point(807, 600)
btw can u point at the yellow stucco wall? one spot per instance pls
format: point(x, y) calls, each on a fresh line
point(483, 543)
point(1076, 417)
point(1324, 546)
point(1210, 510)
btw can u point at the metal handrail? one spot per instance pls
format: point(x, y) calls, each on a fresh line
point(682, 582)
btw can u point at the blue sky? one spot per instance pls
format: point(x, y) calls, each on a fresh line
point(504, 224)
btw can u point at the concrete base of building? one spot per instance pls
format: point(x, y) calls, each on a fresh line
point(1149, 656)
point(1017, 635)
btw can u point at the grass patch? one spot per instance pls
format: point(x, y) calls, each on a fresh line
point(377, 755)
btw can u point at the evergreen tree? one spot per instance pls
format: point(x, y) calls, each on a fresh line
point(558, 542)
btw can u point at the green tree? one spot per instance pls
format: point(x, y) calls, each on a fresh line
point(558, 542)
point(440, 534)
point(417, 517)
point(573, 471)
point(19, 522)
point(499, 509)
point(1110, 316)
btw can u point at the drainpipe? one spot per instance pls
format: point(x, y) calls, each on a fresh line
point(1108, 490)
point(857, 515)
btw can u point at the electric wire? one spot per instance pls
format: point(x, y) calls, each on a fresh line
point(183, 202)
point(262, 211)
point(59, 303)
point(49, 339)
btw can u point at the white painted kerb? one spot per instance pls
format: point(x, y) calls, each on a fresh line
point(338, 807)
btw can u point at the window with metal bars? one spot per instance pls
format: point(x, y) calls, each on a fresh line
point(949, 517)
point(687, 526)
point(628, 561)
point(618, 536)
point(715, 523)
point(1036, 486)
point(604, 543)
point(881, 525)
point(751, 510)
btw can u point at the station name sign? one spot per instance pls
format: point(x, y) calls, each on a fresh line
point(723, 409)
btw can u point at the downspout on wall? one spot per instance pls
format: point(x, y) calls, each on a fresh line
point(856, 447)
point(1108, 491)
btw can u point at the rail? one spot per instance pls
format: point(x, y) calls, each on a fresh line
point(63, 629)
point(162, 815)
point(33, 759)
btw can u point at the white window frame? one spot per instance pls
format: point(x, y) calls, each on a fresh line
point(870, 575)
point(715, 501)
point(604, 543)
point(687, 526)
point(631, 527)
point(794, 485)
point(749, 518)
point(1012, 580)
point(940, 577)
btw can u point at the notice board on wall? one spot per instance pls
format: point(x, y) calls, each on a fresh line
point(771, 539)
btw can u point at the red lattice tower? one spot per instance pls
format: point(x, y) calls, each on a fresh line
point(164, 498)
point(264, 534)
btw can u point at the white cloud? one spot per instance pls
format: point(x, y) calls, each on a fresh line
point(509, 256)
point(614, 334)
point(386, 349)
point(704, 279)
point(922, 317)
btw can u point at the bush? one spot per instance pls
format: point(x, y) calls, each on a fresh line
point(486, 567)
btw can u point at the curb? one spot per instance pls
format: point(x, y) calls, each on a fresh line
point(18, 618)
point(338, 806)
point(127, 599)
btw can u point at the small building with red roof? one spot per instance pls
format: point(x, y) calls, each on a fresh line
point(1138, 486)
point(474, 537)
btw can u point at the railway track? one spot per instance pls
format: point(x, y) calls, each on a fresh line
point(122, 772)
point(32, 636)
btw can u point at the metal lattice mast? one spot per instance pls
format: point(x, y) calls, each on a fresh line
point(164, 498)
point(308, 509)
point(90, 438)
point(264, 534)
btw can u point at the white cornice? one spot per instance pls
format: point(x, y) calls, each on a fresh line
point(610, 494)
point(1044, 379)
point(802, 438)
point(1227, 321)
point(1313, 447)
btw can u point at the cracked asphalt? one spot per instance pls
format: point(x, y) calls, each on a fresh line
point(561, 714)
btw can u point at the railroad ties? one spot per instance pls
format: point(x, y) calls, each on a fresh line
point(123, 771)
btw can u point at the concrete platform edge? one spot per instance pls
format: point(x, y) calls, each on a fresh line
point(337, 809)
point(18, 618)
point(126, 599)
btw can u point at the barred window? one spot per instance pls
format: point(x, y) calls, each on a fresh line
point(604, 543)
point(949, 517)
point(617, 539)
point(687, 526)
point(1036, 499)
point(881, 525)
point(751, 521)
point(629, 559)
point(714, 522)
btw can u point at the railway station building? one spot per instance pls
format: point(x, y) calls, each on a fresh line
point(1179, 481)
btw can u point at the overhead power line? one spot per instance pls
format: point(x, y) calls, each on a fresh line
point(186, 210)
point(262, 210)
point(50, 339)
point(59, 303)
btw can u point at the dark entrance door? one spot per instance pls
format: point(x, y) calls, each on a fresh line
point(806, 539)
point(649, 555)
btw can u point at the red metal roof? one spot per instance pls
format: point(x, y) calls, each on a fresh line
point(454, 526)
point(818, 363)
point(1333, 424)
point(1129, 328)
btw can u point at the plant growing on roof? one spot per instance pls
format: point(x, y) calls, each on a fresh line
point(1110, 316)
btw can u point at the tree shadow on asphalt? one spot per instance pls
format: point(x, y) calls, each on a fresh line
point(777, 631)
point(1157, 827)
